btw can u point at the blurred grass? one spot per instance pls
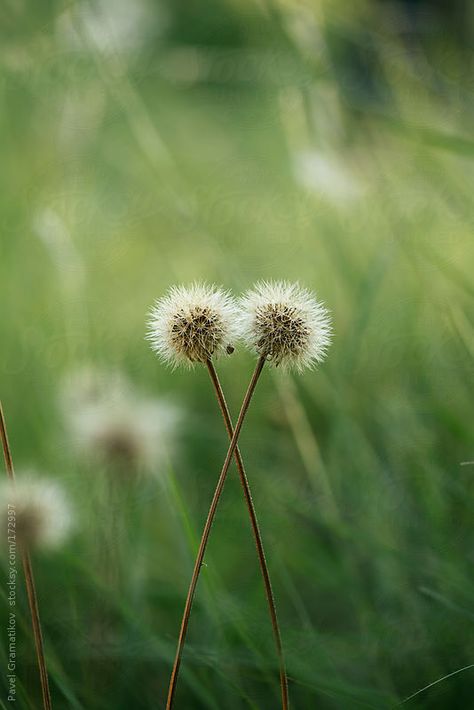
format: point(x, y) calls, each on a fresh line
point(145, 144)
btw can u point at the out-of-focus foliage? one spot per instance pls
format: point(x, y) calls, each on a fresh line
point(149, 143)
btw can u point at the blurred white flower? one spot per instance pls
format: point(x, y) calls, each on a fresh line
point(326, 175)
point(192, 324)
point(40, 511)
point(286, 324)
point(108, 420)
point(110, 26)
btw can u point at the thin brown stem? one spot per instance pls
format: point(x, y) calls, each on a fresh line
point(29, 579)
point(207, 530)
point(256, 533)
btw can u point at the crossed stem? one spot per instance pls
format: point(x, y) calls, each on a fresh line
point(232, 451)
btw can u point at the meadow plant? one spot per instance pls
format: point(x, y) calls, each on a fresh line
point(193, 325)
point(112, 424)
point(283, 324)
point(28, 573)
point(43, 516)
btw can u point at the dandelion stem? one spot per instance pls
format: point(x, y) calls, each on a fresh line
point(207, 530)
point(256, 533)
point(29, 579)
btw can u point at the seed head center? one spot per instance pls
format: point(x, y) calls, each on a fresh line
point(197, 332)
point(282, 329)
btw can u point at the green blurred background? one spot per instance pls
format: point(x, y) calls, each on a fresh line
point(151, 143)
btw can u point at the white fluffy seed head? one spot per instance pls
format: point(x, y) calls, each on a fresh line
point(109, 421)
point(38, 511)
point(193, 324)
point(286, 324)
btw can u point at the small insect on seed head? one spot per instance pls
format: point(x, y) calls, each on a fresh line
point(193, 324)
point(286, 324)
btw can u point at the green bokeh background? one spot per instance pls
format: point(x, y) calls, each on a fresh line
point(151, 143)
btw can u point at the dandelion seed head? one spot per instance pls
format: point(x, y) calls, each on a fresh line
point(42, 513)
point(286, 324)
point(113, 424)
point(193, 324)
